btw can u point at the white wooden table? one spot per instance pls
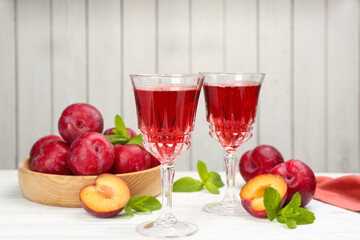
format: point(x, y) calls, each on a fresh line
point(21, 218)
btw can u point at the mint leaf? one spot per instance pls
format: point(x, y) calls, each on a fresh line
point(294, 203)
point(137, 140)
point(212, 188)
point(115, 139)
point(215, 179)
point(118, 133)
point(127, 208)
point(291, 223)
point(120, 127)
point(272, 202)
point(304, 217)
point(211, 180)
point(187, 184)
point(145, 203)
point(292, 214)
point(202, 170)
point(281, 218)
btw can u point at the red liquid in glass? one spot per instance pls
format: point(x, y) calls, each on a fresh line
point(166, 116)
point(231, 109)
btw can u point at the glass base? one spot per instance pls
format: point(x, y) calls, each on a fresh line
point(219, 208)
point(179, 229)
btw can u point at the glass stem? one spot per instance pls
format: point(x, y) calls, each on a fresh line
point(167, 218)
point(230, 197)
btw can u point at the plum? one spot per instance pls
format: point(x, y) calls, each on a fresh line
point(91, 154)
point(79, 118)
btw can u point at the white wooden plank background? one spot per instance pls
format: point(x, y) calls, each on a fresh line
point(104, 58)
point(7, 84)
point(33, 72)
point(54, 53)
point(275, 60)
point(343, 85)
point(68, 56)
point(310, 128)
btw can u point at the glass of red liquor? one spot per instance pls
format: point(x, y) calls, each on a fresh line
point(231, 100)
point(166, 108)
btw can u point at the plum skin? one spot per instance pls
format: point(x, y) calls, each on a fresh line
point(130, 158)
point(299, 178)
point(100, 214)
point(51, 157)
point(79, 118)
point(91, 154)
point(260, 160)
point(39, 142)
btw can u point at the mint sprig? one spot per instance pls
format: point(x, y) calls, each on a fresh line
point(272, 202)
point(142, 204)
point(211, 180)
point(136, 140)
point(291, 215)
point(121, 136)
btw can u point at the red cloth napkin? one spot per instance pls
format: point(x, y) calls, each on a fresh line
point(343, 191)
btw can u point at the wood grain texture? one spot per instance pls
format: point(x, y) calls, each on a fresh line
point(310, 83)
point(23, 219)
point(173, 48)
point(7, 84)
point(104, 58)
point(68, 56)
point(275, 103)
point(63, 191)
point(34, 72)
point(343, 86)
point(207, 55)
point(241, 47)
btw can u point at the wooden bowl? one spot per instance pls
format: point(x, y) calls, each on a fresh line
point(63, 190)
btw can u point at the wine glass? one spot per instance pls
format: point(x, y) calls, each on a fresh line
point(166, 110)
point(231, 100)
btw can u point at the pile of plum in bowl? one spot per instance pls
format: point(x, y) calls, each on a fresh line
point(60, 166)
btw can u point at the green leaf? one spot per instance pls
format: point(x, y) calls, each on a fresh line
point(292, 214)
point(215, 179)
point(117, 132)
point(291, 223)
point(202, 170)
point(127, 208)
point(304, 217)
point(294, 203)
point(145, 203)
point(137, 140)
point(272, 202)
point(212, 188)
point(281, 218)
point(187, 184)
point(120, 126)
point(115, 139)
